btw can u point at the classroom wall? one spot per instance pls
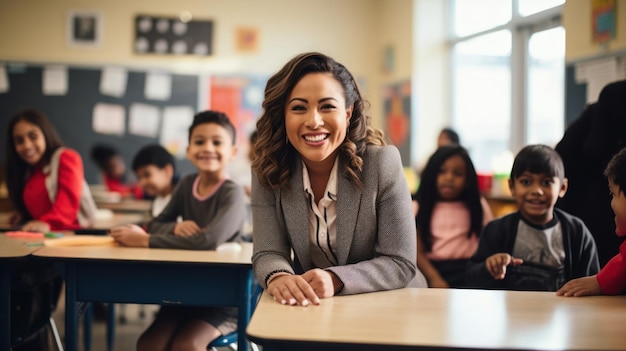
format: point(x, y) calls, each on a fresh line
point(431, 78)
point(36, 30)
point(577, 21)
point(352, 31)
point(355, 32)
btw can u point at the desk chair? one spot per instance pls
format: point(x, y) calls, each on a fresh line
point(33, 307)
point(230, 340)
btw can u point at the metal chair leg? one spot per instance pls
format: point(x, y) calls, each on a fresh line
point(55, 333)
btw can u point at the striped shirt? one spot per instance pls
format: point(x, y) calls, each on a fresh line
point(322, 220)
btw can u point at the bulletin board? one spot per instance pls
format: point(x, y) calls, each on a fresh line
point(584, 80)
point(71, 113)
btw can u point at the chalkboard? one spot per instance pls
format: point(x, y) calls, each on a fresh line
point(72, 113)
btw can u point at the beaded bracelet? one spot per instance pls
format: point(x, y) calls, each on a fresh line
point(270, 274)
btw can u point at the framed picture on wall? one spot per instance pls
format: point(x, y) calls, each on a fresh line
point(84, 28)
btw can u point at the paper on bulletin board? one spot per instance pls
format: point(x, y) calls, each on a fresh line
point(55, 80)
point(598, 73)
point(113, 81)
point(158, 86)
point(143, 120)
point(108, 119)
point(4, 80)
point(175, 129)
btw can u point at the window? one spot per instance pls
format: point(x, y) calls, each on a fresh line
point(508, 64)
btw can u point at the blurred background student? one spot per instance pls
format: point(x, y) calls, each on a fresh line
point(155, 171)
point(448, 136)
point(451, 214)
point(113, 170)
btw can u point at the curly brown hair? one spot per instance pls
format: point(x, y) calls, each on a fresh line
point(273, 164)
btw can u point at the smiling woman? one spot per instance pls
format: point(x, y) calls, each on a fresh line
point(343, 206)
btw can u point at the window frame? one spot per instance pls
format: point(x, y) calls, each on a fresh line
point(521, 29)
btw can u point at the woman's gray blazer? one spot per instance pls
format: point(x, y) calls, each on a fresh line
point(376, 235)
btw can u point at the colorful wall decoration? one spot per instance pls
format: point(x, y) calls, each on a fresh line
point(397, 112)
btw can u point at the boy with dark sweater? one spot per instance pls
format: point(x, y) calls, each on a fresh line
point(538, 247)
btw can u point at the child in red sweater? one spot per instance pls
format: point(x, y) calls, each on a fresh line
point(113, 169)
point(611, 280)
point(31, 142)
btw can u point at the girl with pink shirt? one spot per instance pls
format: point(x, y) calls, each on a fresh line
point(451, 214)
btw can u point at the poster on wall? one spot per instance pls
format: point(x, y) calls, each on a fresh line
point(173, 36)
point(175, 129)
point(240, 98)
point(84, 28)
point(603, 20)
point(397, 112)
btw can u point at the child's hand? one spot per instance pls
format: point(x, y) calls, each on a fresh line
point(324, 283)
point(130, 235)
point(36, 226)
point(496, 264)
point(292, 290)
point(186, 229)
point(585, 286)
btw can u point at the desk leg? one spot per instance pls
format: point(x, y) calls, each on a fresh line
point(5, 308)
point(244, 310)
point(110, 326)
point(87, 325)
point(71, 328)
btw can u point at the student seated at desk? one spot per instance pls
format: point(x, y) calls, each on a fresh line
point(155, 170)
point(213, 212)
point(326, 186)
point(45, 183)
point(611, 280)
point(538, 247)
point(45, 180)
point(113, 170)
point(451, 215)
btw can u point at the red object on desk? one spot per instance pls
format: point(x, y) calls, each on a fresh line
point(485, 182)
point(24, 235)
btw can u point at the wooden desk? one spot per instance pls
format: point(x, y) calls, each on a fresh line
point(12, 251)
point(154, 276)
point(501, 205)
point(117, 219)
point(120, 219)
point(130, 205)
point(443, 319)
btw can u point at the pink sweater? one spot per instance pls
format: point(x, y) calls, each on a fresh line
point(449, 224)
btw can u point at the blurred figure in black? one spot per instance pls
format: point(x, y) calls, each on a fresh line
point(586, 148)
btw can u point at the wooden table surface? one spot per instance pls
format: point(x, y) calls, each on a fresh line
point(116, 219)
point(116, 253)
point(128, 205)
point(18, 247)
point(437, 319)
